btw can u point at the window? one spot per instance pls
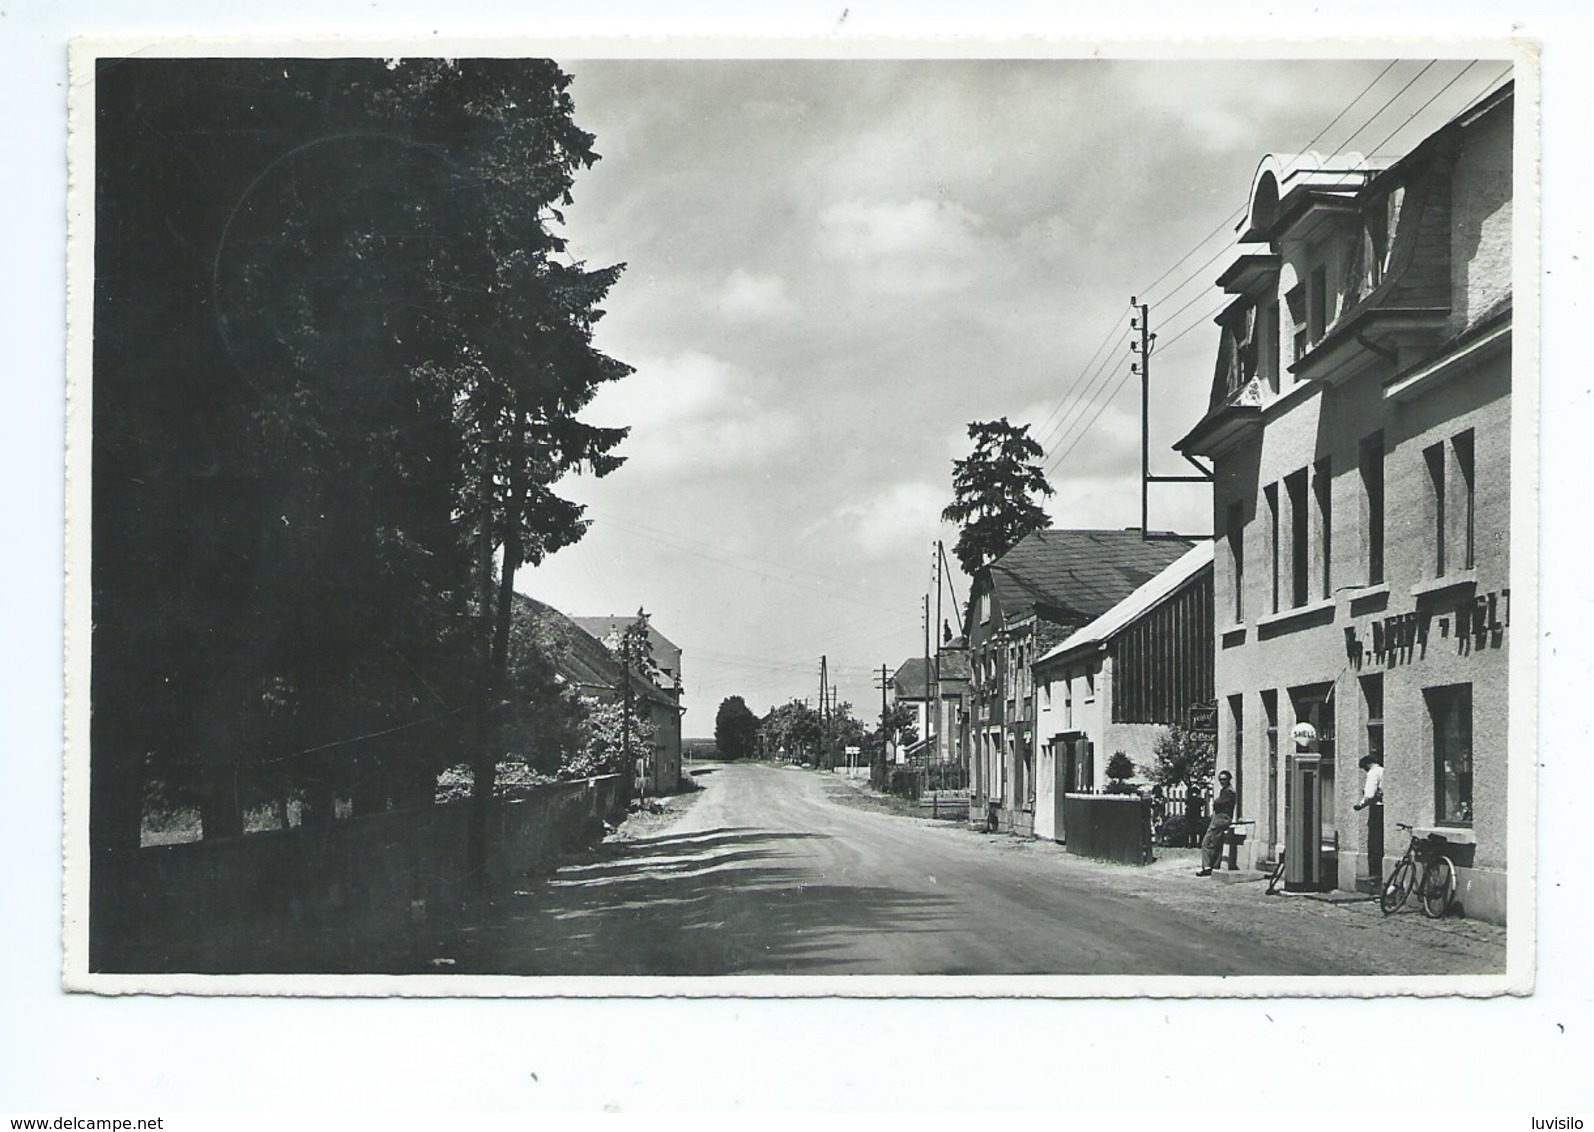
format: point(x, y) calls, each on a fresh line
point(1317, 304)
point(1373, 708)
point(1068, 702)
point(1270, 710)
point(1322, 489)
point(1295, 488)
point(1295, 300)
point(985, 608)
point(1236, 537)
point(1376, 248)
point(1450, 710)
point(1271, 492)
point(1462, 446)
point(1090, 687)
point(1434, 456)
point(1268, 361)
point(1372, 471)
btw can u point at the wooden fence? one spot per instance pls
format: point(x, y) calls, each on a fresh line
point(1108, 827)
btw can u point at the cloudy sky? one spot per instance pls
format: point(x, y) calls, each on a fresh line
point(834, 266)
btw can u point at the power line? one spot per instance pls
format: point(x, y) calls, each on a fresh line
point(1406, 86)
point(1321, 133)
point(1237, 213)
point(1064, 399)
point(662, 535)
point(1060, 427)
point(1084, 407)
point(838, 593)
point(1046, 434)
point(1431, 100)
point(1390, 102)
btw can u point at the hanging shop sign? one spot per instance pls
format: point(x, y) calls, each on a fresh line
point(1204, 718)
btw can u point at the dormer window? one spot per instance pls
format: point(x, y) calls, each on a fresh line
point(1369, 250)
point(1317, 304)
point(1268, 347)
point(1295, 300)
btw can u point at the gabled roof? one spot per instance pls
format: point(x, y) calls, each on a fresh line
point(1075, 576)
point(1141, 601)
point(580, 658)
point(953, 663)
point(666, 653)
point(907, 682)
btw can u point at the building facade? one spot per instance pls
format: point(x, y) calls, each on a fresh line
point(1020, 606)
point(658, 679)
point(1118, 683)
point(1359, 427)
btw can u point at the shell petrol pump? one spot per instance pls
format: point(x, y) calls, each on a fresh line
point(1303, 814)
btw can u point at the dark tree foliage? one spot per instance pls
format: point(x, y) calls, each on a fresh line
point(793, 727)
point(900, 725)
point(994, 491)
point(1120, 768)
point(336, 370)
point(1184, 758)
point(735, 728)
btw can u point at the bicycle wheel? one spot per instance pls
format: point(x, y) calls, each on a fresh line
point(1438, 887)
point(1398, 886)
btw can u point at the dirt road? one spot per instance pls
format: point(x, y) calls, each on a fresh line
point(768, 872)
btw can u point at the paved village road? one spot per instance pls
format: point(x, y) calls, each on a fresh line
point(768, 872)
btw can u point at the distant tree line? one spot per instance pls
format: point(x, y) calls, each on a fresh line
point(801, 733)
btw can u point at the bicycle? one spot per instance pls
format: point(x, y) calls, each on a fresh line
point(1422, 869)
point(1276, 877)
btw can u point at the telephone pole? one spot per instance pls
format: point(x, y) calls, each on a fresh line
point(824, 712)
point(1144, 348)
point(877, 772)
point(925, 738)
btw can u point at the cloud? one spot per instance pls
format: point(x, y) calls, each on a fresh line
point(903, 515)
point(754, 298)
point(917, 247)
point(691, 413)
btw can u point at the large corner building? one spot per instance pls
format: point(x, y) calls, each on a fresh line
point(1359, 425)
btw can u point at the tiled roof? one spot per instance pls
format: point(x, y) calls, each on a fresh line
point(954, 664)
point(1103, 628)
point(665, 651)
point(908, 681)
point(1075, 576)
point(579, 657)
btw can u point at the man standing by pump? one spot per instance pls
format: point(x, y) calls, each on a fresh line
point(1373, 802)
point(1222, 819)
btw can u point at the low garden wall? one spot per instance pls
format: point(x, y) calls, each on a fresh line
point(335, 898)
point(1108, 827)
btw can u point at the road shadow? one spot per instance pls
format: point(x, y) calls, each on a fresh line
point(714, 902)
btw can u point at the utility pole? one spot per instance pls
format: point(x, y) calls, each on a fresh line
point(939, 640)
point(824, 712)
point(925, 738)
point(878, 773)
point(946, 573)
point(1144, 348)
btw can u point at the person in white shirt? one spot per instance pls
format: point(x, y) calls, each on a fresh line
point(1373, 787)
point(1373, 802)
